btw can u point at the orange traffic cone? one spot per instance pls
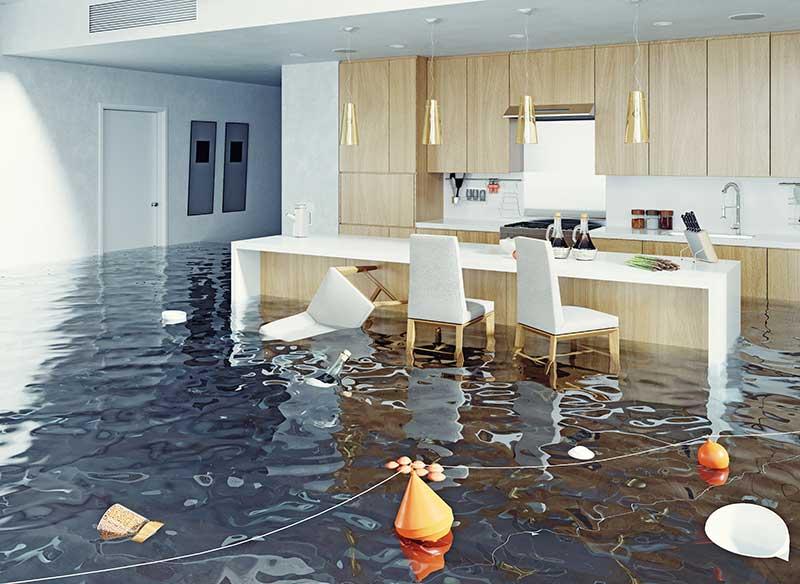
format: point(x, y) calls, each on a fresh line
point(423, 515)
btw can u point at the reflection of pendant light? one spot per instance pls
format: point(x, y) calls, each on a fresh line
point(526, 120)
point(432, 133)
point(637, 130)
point(349, 131)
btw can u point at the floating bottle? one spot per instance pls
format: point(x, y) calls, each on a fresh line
point(582, 245)
point(330, 376)
point(557, 240)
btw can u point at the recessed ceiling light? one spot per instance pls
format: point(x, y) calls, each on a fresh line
point(344, 51)
point(516, 35)
point(525, 11)
point(747, 16)
point(397, 46)
point(297, 54)
point(662, 23)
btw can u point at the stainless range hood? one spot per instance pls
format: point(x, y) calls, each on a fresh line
point(557, 112)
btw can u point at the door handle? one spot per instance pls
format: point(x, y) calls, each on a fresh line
point(154, 204)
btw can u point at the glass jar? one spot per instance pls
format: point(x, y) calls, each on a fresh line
point(665, 220)
point(652, 217)
point(637, 218)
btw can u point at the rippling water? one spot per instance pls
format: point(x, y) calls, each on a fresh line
point(215, 433)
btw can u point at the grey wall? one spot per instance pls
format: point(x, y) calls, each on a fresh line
point(49, 154)
point(310, 138)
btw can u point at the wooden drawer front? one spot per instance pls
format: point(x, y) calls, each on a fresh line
point(662, 248)
point(366, 230)
point(784, 275)
point(377, 199)
point(479, 237)
point(422, 231)
point(618, 245)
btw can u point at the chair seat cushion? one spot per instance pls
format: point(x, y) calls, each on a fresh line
point(578, 319)
point(477, 308)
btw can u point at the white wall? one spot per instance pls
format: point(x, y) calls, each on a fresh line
point(310, 137)
point(49, 154)
point(765, 207)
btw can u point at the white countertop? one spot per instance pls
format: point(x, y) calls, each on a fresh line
point(467, 225)
point(607, 266)
point(775, 241)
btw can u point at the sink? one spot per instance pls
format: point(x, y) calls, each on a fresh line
point(719, 235)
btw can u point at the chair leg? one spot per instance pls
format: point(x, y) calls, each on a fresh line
point(459, 345)
point(490, 340)
point(613, 351)
point(551, 362)
point(411, 337)
point(519, 340)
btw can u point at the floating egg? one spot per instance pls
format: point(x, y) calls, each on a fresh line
point(436, 477)
point(417, 464)
point(435, 467)
point(391, 465)
point(405, 469)
point(404, 460)
point(421, 472)
point(581, 453)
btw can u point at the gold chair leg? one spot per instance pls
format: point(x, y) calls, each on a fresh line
point(411, 337)
point(490, 340)
point(519, 340)
point(459, 345)
point(613, 351)
point(551, 361)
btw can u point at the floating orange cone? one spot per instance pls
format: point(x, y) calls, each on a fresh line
point(426, 558)
point(713, 455)
point(423, 515)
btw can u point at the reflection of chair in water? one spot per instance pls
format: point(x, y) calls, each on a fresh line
point(337, 304)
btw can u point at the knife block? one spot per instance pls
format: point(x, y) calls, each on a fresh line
point(701, 246)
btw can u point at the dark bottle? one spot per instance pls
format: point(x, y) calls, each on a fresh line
point(582, 245)
point(331, 376)
point(556, 236)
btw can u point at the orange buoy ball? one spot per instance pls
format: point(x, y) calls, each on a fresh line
point(404, 460)
point(436, 477)
point(418, 464)
point(714, 477)
point(713, 455)
point(420, 472)
point(391, 465)
point(405, 469)
point(435, 467)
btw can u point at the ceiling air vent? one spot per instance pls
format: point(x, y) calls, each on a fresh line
point(124, 14)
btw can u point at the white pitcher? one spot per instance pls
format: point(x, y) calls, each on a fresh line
point(301, 219)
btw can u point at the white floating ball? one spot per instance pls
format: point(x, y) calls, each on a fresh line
point(749, 530)
point(581, 453)
point(173, 316)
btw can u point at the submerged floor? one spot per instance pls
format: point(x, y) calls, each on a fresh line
point(215, 434)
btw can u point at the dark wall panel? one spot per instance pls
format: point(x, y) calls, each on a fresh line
point(234, 191)
point(202, 168)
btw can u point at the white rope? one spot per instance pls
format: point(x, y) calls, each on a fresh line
point(621, 456)
point(209, 551)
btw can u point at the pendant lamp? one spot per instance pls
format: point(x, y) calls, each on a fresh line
point(637, 128)
point(432, 132)
point(526, 118)
point(348, 135)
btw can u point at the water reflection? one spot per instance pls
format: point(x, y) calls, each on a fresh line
point(213, 432)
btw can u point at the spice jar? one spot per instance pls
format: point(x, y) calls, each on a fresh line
point(637, 219)
point(651, 219)
point(665, 219)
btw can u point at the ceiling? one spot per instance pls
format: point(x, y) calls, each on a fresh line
point(256, 54)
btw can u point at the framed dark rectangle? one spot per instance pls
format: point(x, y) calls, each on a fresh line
point(234, 188)
point(202, 168)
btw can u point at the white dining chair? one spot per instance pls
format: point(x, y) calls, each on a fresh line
point(436, 294)
point(539, 308)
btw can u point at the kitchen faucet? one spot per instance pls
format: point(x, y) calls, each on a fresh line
point(737, 226)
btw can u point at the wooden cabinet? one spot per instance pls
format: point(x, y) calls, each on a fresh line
point(492, 237)
point(377, 199)
point(678, 128)
point(428, 231)
point(785, 97)
point(554, 76)
point(364, 230)
point(784, 274)
point(662, 248)
point(487, 100)
point(614, 79)
point(618, 245)
point(450, 89)
point(738, 111)
point(366, 83)
point(407, 84)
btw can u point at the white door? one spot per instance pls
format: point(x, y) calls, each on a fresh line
point(131, 152)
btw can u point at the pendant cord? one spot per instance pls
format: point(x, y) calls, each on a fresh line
point(430, 62)
point(349, 62)
point(638, 47)
point(527, 54)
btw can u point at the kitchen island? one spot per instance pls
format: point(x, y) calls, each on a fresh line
point(697, 306)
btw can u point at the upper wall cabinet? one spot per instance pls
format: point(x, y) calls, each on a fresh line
point(614, 78)
point(407, 85)
point(450, 89)
point(557, 76)
point(738, 110)
point(785, 147)
point(487, 100)
point(366, 83)
point(678, 74)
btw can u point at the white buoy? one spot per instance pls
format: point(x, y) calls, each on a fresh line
point(749, 530)
point(581, 453)
point(173, 316)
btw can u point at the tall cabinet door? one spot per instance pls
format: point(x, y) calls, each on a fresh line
point(614, 79)
point(487, 101)
point(367, 84)
point(557, 76)
point(403, 134)
point(678, 73)
point(450, 89)
point(785, 100)
point(738, 111)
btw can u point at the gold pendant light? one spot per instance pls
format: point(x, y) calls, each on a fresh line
point(637, 127)
point(526, 118)
point(349, 131)
point(432, 132)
